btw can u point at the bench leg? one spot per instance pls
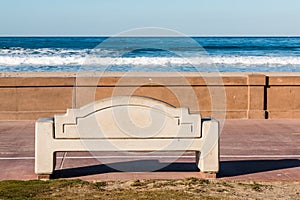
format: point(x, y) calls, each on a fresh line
point(207, 158)
point(45, 164)
point(45, 157)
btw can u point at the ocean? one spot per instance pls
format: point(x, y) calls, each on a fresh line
point(159, 54)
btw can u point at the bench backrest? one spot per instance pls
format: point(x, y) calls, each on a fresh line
point(128, 117)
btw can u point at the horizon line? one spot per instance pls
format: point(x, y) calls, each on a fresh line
point(149, 36)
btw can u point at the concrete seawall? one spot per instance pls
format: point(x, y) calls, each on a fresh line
point(28, 96)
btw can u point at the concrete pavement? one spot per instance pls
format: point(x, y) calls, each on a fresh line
point(250, 150)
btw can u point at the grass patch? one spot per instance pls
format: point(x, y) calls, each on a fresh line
point(99, 184)
point(197, 181)
point(191, 188)
point(166, 183)
point(256, 187)
point(137, 183)
point(226, 184)
point(31, 189)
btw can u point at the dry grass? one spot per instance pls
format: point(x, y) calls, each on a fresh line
point(191, 188)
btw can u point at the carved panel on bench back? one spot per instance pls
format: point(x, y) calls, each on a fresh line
point(128, 117)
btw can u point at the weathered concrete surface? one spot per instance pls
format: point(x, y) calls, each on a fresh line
point(127, 123)
point(29, 96)
point(250, 150)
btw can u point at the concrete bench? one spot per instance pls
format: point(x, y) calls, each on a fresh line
point(126, 123)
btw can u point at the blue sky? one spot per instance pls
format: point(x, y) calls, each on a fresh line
point(109, 17)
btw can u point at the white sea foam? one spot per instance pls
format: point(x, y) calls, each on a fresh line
point(102, 57)
point(58, 60)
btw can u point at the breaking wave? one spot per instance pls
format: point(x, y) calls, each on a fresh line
point(18, 57)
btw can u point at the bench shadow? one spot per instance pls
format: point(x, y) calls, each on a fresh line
point(244, 167)
point(227, 168)
point(130, 166)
